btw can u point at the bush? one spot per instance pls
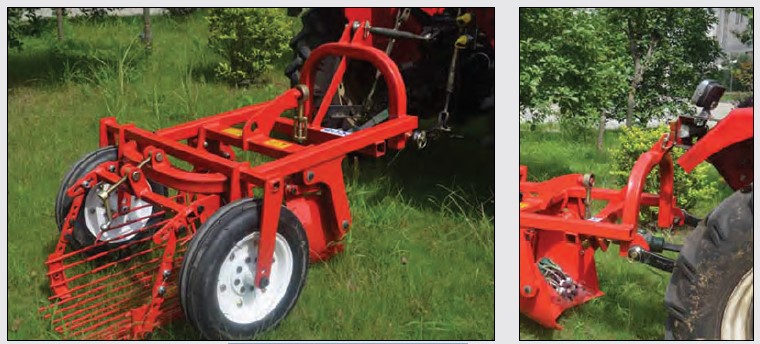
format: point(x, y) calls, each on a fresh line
point(97, 13)
point(181, 11)
point(249, 39)
point(689, 189)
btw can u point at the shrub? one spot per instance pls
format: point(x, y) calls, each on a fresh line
point(181, 11)
point(97, 13)
point(249, 39)
point(689, 189)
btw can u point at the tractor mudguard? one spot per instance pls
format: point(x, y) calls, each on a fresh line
point(728, 146)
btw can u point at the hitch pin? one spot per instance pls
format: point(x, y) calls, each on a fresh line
point(588, 183)
point(104, 194)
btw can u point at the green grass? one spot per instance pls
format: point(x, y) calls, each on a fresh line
point(632, 307)
point(432, 209)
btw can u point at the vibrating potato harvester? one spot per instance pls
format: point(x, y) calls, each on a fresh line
point(117, 270)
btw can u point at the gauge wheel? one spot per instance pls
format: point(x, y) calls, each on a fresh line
point(89, 224)
point(710, 295)
point(216, 279)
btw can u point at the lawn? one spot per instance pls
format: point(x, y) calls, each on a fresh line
point(632, 307)
point(421, 218)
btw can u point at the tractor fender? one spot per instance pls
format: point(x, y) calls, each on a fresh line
point(734, 128)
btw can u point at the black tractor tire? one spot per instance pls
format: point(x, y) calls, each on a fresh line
point(325, 25)
point(81, 236)
point(205, 291)
point(715, 264)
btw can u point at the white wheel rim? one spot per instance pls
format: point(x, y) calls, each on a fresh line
point(238, 299)
point(738, 315)
point(95, 216)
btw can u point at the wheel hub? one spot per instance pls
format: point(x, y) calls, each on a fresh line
point(239, 300)
point(738, 317)
point(105, 229)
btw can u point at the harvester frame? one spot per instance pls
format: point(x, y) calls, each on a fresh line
point(305, 178)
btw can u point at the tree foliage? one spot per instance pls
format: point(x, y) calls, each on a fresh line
point(568, 59)
point(746, 36)
point(670, 50)
point(586, 63)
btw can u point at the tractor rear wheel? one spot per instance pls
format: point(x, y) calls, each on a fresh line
point(216, 279)
point(710, 294)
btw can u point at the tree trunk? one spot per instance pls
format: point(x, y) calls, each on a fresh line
point(147, 35)
point(600, 137)
point(59, 18)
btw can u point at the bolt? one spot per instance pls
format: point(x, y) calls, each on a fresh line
point(345, 224)
point(159, 157)
point(226, 155)
point(309, 176)
point(124, 209)
point(86, 184)
point(205, 144)
point(264, 282)
point(293, 190)
point(104, 226)
point(136, 175)
point(240, 302)
point(634, 252)
point(112, 168)
point(161, 290)
point(527, 289)
point(167, 273)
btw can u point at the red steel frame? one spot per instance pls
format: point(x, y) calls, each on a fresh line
point(300, 172)
point(553, 224)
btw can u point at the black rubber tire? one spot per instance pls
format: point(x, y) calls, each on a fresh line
point(203, 260)
point(713, 260)
point(320, 25)
point(81, 236)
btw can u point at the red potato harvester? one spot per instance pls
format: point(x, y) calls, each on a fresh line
point(132, 256)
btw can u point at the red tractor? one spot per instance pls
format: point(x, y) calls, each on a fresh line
point(445, 55)
point(710, 294)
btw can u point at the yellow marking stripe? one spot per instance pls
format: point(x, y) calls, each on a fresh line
point(234, 131)
point(277, 143)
